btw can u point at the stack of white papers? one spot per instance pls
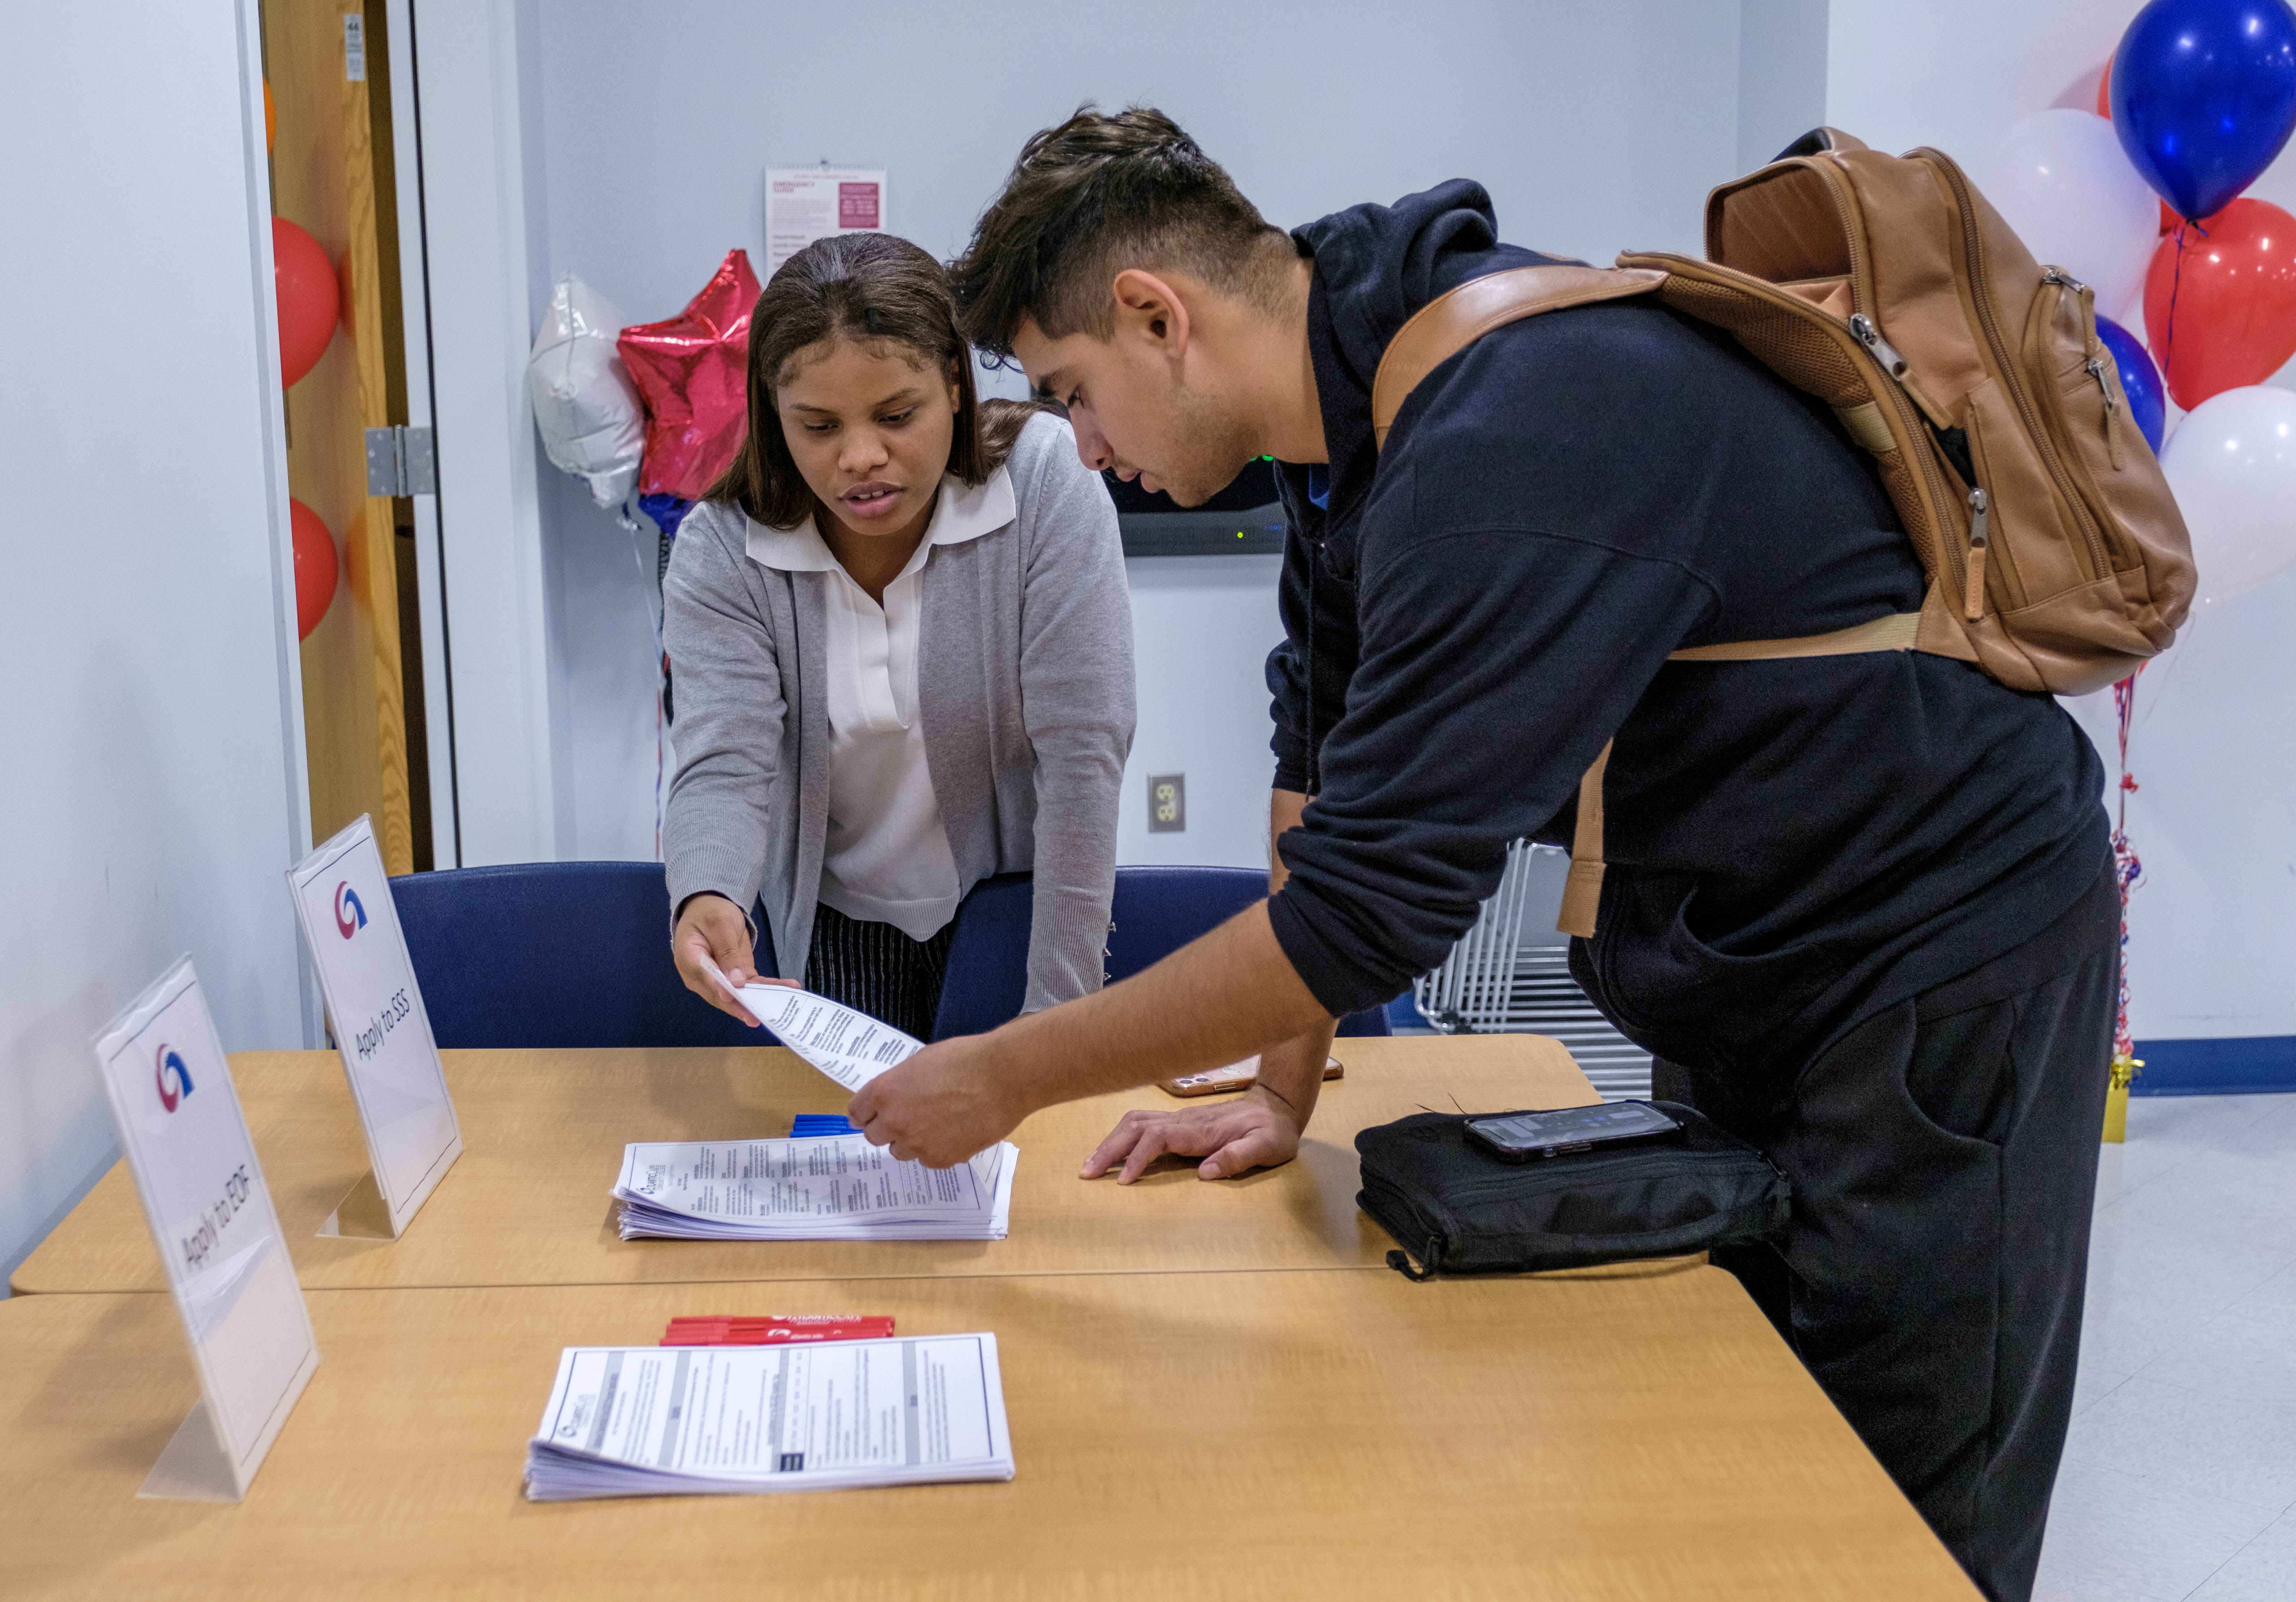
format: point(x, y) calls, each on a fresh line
point(652, 1420)
point(825, 1187)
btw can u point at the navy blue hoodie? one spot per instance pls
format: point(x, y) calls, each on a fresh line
point(1792, 844)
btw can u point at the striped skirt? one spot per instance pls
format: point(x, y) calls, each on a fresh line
point(874, 968)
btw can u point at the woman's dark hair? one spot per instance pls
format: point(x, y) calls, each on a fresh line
point(875, 289)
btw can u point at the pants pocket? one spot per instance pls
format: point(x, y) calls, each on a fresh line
point(1963, 1079)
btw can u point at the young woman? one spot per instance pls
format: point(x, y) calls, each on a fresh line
point(903, 654)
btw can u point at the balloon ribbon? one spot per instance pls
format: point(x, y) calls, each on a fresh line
point(2129, 872)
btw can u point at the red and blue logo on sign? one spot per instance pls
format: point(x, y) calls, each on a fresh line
point(175, 1079)
point(350, 917)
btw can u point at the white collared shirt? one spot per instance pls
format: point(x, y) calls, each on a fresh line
point(886, 859)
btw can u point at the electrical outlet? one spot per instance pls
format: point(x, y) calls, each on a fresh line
point(1168, 803)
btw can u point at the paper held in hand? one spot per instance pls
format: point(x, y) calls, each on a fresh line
point(186, 1143)
point(851, 1048)
point(656, 1420)
point(350, 922)
point(839, 1187)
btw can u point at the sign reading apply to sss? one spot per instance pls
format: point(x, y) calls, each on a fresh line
point(343, 898)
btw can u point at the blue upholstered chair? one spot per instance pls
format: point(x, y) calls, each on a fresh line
point(1158, 910)
point(557, 954)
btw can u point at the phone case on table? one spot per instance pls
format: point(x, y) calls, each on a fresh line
point(1236, 1076)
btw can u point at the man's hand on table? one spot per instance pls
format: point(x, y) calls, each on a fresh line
point(1260, 1129)
point(1254, 1130)
point(1215, 1000)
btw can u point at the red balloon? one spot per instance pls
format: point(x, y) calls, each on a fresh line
point(2104, 90)
point(2221, 302)
point(305, 284)
point(315, 568)
point(693, 372)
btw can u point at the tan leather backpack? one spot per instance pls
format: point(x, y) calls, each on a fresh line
point(1888, 287)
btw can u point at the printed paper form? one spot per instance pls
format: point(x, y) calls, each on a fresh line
point(628, 1420)
point(851, 1047)
point(841, 1177)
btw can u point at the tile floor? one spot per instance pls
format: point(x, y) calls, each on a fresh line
point(2179, 1477)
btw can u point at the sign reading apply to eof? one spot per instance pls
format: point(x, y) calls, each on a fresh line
point(342, 897)
point(195, 1169)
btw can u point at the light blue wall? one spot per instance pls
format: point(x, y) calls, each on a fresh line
point(1596, 127)
point(1781, 76)
point(150, 797)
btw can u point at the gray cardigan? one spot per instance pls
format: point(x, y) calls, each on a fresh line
point(1024, 683)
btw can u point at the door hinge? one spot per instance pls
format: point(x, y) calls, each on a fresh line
point(401, 460)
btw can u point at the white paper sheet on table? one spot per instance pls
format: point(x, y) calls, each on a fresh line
point(655, 1420)
point(836, 1187)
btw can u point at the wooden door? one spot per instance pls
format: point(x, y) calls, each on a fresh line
point(325, 65)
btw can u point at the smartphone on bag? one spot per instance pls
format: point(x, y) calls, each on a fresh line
point(1520, 1136)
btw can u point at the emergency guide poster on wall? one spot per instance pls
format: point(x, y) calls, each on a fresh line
point(806, 203)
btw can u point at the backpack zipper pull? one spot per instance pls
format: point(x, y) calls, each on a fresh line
point(1866, 332)
point(2062, 279)
point(1973, 601)
point(1870, 336)
point(2112, 437)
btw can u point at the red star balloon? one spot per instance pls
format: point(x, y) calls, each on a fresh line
point(691, 371)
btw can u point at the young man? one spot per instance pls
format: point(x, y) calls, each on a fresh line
point(1859, 906)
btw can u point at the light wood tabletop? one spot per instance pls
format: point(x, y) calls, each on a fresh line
point(543, 1133)
point(1638, 1432)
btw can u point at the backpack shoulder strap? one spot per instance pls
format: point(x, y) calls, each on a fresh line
point(1450, 322)
point(1582, 890)
point(1447, 325)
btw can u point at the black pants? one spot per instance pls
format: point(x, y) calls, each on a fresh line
point(1943, 1156)
point(874, 968)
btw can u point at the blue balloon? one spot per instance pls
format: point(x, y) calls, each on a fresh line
point(2140, 380)
point(2205, 95)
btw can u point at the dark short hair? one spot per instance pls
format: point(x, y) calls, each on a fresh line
point(877, 289)
point(1101, 192)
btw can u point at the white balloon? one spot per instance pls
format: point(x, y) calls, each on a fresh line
point(2231, 463)
point(2060, 179)
point(583, 402)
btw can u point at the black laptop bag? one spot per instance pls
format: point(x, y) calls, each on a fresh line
point(1459, 1209)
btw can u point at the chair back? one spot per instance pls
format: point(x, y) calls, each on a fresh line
point(1158, 910)
point(987, 975)
point(557, 954)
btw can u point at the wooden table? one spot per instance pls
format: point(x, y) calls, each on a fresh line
point(1630, 1434)
point(543, 1133)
